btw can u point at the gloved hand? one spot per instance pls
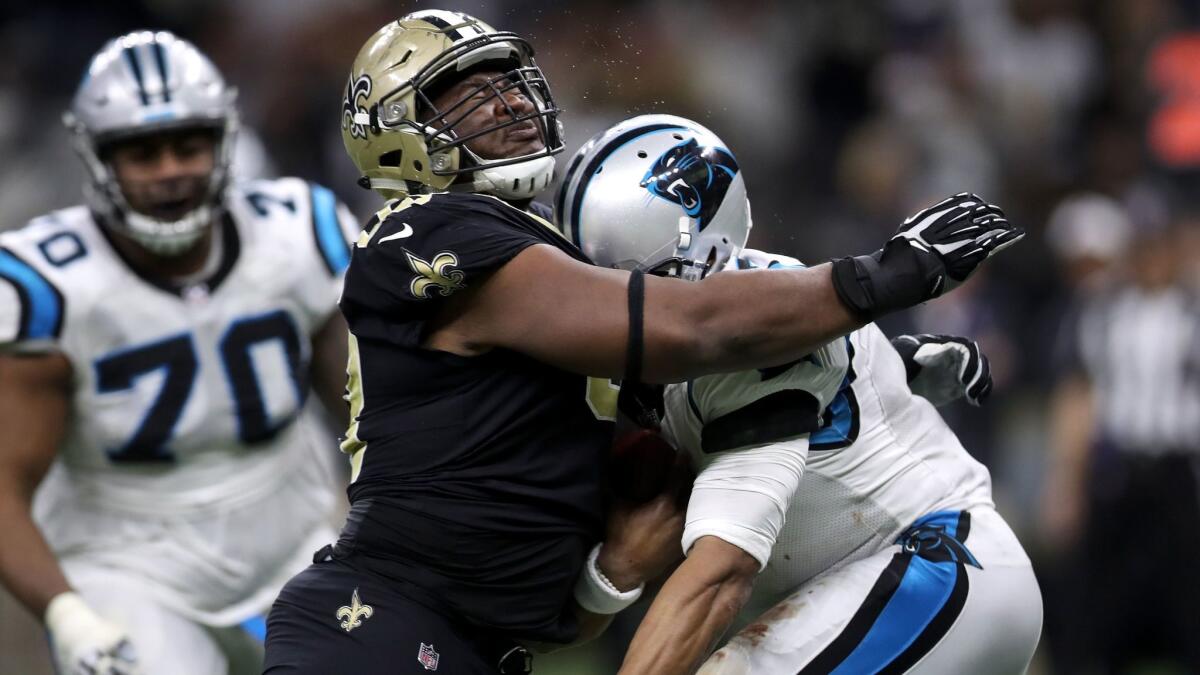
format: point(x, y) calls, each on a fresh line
point(935, 250)
point(943, 368)
point(83, 643)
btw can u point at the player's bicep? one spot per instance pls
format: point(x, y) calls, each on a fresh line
point(546, 305)
point(34, 403)
point(743, 497)
point(330, 347)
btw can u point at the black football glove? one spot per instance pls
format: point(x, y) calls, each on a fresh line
point(935, 250)
point(943, 368)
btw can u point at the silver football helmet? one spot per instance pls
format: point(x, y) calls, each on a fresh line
point(142, 83)
point(656, 192)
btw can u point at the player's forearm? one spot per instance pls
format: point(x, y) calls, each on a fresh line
point(691, 612)
point(682, 627)
point(739, 320)
point(28, 567)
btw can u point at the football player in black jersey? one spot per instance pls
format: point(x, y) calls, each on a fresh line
point(483, 352)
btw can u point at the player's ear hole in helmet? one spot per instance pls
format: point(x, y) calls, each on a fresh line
point(406, 137)
point(659, 193)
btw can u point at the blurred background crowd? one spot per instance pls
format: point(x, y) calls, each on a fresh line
point(1081, 119)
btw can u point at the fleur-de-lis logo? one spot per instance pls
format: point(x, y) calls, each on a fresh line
point(355, 90)
point(355, 613)
point(436, 275)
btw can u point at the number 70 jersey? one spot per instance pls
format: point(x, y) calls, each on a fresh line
point(179, 389)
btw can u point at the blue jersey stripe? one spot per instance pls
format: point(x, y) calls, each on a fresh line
point(330, 240)
point(41, 317)
point(256, 627)
point(923, 592)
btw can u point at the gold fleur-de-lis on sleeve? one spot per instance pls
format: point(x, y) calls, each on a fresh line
point(436, 275)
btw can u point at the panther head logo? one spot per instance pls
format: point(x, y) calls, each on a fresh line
point(693, 176)
point(355, 90)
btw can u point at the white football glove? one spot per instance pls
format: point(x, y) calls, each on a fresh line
point(943, 368)
point(83, 643)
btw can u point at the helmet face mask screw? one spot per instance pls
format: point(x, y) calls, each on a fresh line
point(395, 113)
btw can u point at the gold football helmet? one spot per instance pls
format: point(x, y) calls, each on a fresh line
point(402, 144)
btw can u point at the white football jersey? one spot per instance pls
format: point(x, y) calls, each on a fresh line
point(183, 436)
point(882, 458)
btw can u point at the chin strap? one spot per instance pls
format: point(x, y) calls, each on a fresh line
point(167, 237)
point(518, 181)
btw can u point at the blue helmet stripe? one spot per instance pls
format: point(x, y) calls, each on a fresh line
point(42, 304)
point(135, 66)
point(328, 232)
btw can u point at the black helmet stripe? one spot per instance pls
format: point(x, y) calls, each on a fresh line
point(160, 58)
point(443, 24)
point(135, 66)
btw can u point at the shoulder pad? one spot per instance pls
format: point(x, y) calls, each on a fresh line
point(763, 406)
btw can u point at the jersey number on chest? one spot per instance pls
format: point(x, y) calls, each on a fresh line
point(176, 358)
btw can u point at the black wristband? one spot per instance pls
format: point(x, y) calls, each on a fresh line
point(854, 288)
point(637, 305)
point(894, 277)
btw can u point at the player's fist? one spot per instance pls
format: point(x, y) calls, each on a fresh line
point(651, 483)
point(935, 250)
point(83, 643)
point(943, 368)
point(641, 466)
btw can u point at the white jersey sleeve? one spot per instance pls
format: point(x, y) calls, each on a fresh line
point(10, 311)
point(32, 308)
point(743, 497)
point(187, 398)
point(311, 214)
point(747, 434)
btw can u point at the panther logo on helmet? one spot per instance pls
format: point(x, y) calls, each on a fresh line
point(695, 177)
point(685, 216)
point(355, 90)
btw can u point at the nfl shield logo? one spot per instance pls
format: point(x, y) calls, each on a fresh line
point(427, 657)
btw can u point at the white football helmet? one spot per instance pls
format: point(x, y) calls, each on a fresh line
point(656, 192)
point(142, 83)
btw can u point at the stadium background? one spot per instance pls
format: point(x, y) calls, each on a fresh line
point(845, 116)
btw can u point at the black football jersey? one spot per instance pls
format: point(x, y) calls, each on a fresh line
point(475, 481)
